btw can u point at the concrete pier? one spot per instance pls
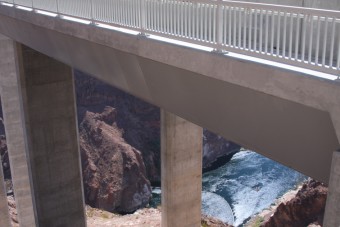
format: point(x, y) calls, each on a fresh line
point(332, 217)
point(4, 216)
point(15, 133)
point(48, 105)
point(181, 154)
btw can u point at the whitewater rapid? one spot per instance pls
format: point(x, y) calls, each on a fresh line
point(244, 186)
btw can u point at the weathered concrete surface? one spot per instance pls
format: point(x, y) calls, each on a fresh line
point(332, 217)
point(4, 215)
point(181, 155)
point(48, 107)
point(13, 121)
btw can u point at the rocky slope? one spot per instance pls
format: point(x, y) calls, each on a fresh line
point(297, 208)
point(113, 171)
point(308, 206)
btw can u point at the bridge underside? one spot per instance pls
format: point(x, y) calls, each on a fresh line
point(296, 135)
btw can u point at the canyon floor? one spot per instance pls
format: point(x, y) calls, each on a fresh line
point(147, 217)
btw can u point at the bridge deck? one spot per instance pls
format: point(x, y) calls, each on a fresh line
point(283, 114)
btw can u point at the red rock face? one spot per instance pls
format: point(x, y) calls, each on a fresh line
point(307, 207)
point(113, 171)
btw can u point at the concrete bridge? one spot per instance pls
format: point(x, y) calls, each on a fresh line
point(263, 76)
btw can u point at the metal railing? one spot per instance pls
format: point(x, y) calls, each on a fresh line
point(304, 37)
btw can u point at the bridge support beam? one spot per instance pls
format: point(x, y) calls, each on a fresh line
point(181, 154)
point(40, 120)
point(13, 121)
point(48, 110)
point(4, 215)
point(332, 211)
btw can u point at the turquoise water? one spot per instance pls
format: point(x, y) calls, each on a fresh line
point(248, 183)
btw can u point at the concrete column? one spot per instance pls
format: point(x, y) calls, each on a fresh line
point(4, 216)
point(332, 217)
point(15, 133)
point(49, 112)
point(181, 153)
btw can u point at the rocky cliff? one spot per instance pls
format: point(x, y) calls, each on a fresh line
point(307, 207)
point(113, 171)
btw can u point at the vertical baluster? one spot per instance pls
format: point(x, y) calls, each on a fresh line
point(261, 30)
point(129, 12)
point(163, 16)
point(134, 12)
point(205, 23)
point(153, 14)
point(190, 23)
point(201, 21)
point(160, 16)
point(284, 35)
point(209, 22)
point(185, 19)
point(125, 13)
point(234, 28)
point(338, 57)
point(116, 11)
point(150, 14)
point(332, 43)
point(304, 27)
point(224, 24)
point(291, 25)
point(159, 11)
point(245, 28)
point(239, 27)
point(297, 36)
point(325, 36)
point(266, 42)
point(214, 24)
point(255, 32)
point(172, 16)
point(167, 31)
point(195, 20)
point(179, 18)
point(311, 34)
point(317, 42)
point(272, 33)
point(278, 33)
point(250, 28)
point(229, 26)
point(142, 15)
point(219, 22)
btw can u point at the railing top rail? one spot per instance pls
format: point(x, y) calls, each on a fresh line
point(265, 6)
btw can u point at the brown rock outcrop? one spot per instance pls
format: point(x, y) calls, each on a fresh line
point(306, 207)
point(113, 171)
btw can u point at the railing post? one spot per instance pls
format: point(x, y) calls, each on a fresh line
point(92, 13)
point(219, 28)
point(142, 19)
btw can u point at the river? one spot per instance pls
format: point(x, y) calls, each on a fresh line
point(244, 186)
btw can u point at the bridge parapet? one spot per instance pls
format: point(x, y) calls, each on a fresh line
point(303, 37)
